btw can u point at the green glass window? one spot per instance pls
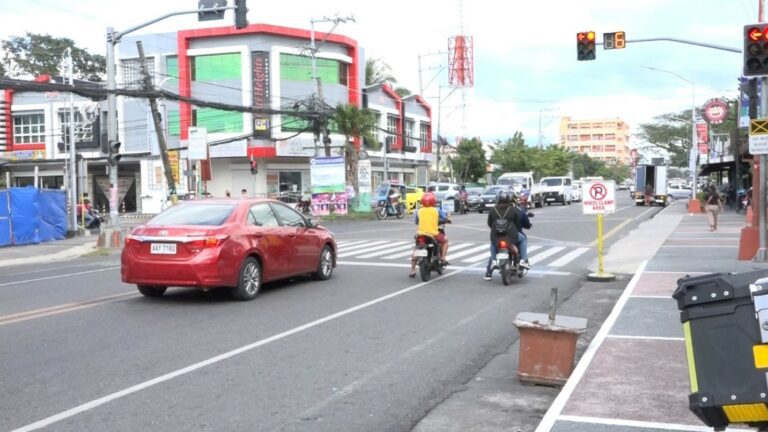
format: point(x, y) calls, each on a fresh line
point(293, 124)
point(174, 123)
point(172, 66)
point(299, 68)
point(218, 121)
point(216, 67)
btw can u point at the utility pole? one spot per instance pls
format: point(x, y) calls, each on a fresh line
point(112, 39)
point(72, 152)
point(313, 49)
point(158, 126)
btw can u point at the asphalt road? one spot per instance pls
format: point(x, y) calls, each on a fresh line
point(369, 350)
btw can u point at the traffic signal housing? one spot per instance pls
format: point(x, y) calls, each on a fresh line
point(755, 50)
point(585, 46)
point(114, 155)
point(241, 20)
point(254, 167)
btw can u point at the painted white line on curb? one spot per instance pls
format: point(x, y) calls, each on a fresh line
point(216, 359)
point(638, 424)
point(660, 338)
point(558, 404)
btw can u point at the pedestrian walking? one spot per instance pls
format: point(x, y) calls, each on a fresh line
point(714, 206)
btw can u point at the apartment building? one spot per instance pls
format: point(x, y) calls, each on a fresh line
point(602, 139)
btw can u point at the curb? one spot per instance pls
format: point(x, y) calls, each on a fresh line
point(73, 252)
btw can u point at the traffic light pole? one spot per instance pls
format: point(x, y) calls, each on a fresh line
point(683, 41)
point(761, 251)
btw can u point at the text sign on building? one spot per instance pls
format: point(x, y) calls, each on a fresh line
point(599, 197)
point(261, 95)
point(198, 144)
point(758, 137)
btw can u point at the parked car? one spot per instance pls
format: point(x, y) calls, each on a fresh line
point(235, 244)
point(679, 191)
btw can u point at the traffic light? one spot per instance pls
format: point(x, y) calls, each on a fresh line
point(254, 167)
point(241, 21)
point(585, 46)
point(755, 50)
point(114, 153)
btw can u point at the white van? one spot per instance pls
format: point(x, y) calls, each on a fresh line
point(557, 189)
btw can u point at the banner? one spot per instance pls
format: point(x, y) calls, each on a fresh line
point(261, 95)
point(703, 137)
point(327, 175)
point(198, 144)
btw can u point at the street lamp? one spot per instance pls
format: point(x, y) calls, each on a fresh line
point(694, 150)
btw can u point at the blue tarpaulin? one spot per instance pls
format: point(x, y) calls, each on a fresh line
point(5, 218)
point(35, 216)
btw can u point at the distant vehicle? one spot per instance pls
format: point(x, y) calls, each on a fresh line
point(489, 197)
point(679, 191)
point(234, 244)
point(443, 190)
point(650, 185)
point(516, 181)
point(475, 200)
point(557, 189)
point(576, 191)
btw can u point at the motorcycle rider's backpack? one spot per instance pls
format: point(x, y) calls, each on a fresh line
point(501, 224)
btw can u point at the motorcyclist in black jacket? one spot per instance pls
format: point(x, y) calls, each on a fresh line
point(505, 208)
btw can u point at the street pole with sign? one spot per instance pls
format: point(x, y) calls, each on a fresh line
point(599, 199)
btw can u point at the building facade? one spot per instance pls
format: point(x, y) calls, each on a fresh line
point(603, 139)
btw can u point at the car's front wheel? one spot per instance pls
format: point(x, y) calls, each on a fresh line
point(325, 268)
point(151, 290)
point(249, 282)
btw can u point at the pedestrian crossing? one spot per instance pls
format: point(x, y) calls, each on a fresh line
point(459, 253)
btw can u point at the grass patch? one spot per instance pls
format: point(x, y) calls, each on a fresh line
point(352, 215)
point(99, 252)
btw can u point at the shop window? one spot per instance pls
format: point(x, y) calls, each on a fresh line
point(216, 67)
point(173, 121)
point(424, 135)
point(29, 128)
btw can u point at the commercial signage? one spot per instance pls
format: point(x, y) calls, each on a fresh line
point(198, 144)
point(364, 176)
point(329, 185)
point(715, 111)
point(702, 131)
point(261, 94)
point(758, 137)
point(173, 158)
point(599, 197)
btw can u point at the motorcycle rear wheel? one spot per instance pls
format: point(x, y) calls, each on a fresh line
point(424, 270)
point(400, 213)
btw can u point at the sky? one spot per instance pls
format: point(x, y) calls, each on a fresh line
point(525, 67)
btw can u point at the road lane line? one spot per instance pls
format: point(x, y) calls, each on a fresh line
point(219, 358)
point(570, 256)
point(57, 276)
point(68, 307)
point(637, 423)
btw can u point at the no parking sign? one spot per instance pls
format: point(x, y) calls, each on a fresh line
point(599, 198)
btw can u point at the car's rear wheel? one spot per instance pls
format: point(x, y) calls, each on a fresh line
point(151, 290)
point(249, 282)
point(325, 268)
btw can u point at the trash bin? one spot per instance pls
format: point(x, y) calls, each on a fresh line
point(727, 356)
point(547, 349)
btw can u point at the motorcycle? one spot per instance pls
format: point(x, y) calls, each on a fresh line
point(427, 255)
point(508, 261)
point(96, 222)
point(390, 207)
point(304, 205)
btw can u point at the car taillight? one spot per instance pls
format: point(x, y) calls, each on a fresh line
point(215, 241)
point(130, 240)
point(503, 244)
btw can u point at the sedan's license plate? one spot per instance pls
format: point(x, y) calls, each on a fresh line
point(163, 248)
point(420, 253)
point(502, 256)
point(550, 199)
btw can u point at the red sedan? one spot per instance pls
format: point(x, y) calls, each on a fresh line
point(216, 243)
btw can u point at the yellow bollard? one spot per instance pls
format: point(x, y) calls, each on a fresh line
point(601, 275)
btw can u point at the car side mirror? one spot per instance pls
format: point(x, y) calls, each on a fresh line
point(311, 223)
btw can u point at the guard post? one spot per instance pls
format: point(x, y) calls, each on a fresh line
point(599, 199)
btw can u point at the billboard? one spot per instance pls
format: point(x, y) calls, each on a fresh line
point(328, 178)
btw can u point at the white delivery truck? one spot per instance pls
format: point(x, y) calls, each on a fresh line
point(650, 185)
point(516, 181)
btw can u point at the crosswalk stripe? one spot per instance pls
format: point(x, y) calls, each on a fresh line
point(361, 246)
point(570, 256)
point(397, 249)
point(452, 248)
point(387, 246)
point(481, 257)
point(347, 243)
point(533, 248)
point(452, 255)
point(544, 255)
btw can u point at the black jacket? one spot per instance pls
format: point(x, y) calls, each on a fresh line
point(512, 214)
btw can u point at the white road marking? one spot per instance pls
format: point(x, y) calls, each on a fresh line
point(637, 424)
point(348, 243)
point(545, 254)
point(57, 276)
point(661, 338)
point(388, 251)
point(475, 249)
point(344, 253)
point(471, 268)
point(361, 246)
point(570, 256)
point(216, 359)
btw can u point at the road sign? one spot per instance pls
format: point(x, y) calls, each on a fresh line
point(600, 197)
point(758, 136)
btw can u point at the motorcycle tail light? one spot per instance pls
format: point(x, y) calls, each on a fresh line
point(421, 240)
point(503, 244)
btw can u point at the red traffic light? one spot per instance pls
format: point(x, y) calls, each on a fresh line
point(581, 36)
point(754, 34)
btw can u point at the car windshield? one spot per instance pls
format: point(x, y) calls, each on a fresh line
point(552, 182)
point(208, 214)
point(492, 190)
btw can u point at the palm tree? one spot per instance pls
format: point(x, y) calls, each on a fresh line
point(403, 92)
point(378, 72)
point(351, 122)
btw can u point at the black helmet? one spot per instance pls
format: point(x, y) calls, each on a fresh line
point(503, 197)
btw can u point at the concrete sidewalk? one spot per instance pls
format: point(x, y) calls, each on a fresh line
point(634, 375)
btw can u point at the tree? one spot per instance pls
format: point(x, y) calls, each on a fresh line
point(552, 161)
point(34, 55)
point(351, 122)
point(469, 164)
point(512, 155)
point(402, 92)
point(378, 72)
